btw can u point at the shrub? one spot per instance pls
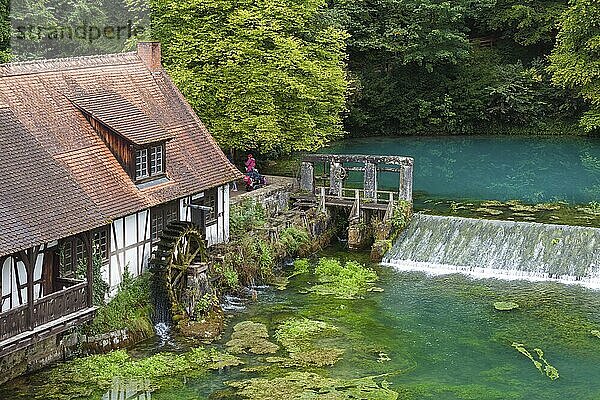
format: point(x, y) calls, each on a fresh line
point(129, 309)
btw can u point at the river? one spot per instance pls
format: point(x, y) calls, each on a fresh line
point(428, 337)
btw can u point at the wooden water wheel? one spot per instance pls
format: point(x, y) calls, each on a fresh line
point(180, 245)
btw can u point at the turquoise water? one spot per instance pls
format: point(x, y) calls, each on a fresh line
point(443, 338)
point(530, 169)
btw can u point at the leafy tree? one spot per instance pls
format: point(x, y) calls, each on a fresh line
point(266, 74)
point(526, 22)
point(575, 61)
point(67, 28)
point(4, 31)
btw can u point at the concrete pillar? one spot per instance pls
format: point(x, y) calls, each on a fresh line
point(307, 177)
point(370, 181)
point(335, 183)
point(406, 183)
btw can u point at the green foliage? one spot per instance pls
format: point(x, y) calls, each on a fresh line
point(231, 277)
point(348, 281)
point(99, 286)
point(245, 216)
point(205, 304)
point(301, 266)
point(574, 61)
point(129, 309)
point(293, 240)
point(67, 28)
point(415, 71)
point(402, 215)
point(526, 22)
point(262, 74)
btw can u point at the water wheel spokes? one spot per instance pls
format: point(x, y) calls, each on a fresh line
point(181, 244)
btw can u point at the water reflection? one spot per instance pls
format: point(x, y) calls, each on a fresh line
point(128, 391)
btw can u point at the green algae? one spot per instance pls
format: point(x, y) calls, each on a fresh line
point(82, 378)
point(317, 357)
point(595, 333)
point(304, 385)
point(299, 334)
point(505, 305)
point(514, 210)
point(348, 281)
point(252, 337)
point(299, 337)
point(489, 211)
point(541, 364)
point(301, 266)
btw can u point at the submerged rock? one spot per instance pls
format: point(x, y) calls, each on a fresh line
point(251, 336)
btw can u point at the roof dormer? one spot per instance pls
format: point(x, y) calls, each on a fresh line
point(136, 140)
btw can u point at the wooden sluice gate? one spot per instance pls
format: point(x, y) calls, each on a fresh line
point(352, 183)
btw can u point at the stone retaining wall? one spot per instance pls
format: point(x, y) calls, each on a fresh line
point(62, 347)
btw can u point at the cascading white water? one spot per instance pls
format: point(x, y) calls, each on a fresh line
point(498, 249)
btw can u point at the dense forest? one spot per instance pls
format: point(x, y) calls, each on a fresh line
point(285, 75)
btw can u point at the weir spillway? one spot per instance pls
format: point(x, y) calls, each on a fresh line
point(498, 249)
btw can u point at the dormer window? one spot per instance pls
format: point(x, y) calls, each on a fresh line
point(134, 137)
point(149, 162)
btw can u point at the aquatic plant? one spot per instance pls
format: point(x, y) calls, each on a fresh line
point(297, 334)
point(489, 211)
point(550, 371)
point(251, 336)
point(303, 385)
point(301, 266)
point(596, 333)
point(318, 357)
point(346, 282)
point(80, 378)
point(505, 305)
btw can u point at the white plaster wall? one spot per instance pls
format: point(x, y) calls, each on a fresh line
point(226, 215)
point(7, 281)
point(131, 253)
point(37, 275)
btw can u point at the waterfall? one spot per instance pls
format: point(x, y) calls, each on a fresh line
point(498, 249)
point(162, 304)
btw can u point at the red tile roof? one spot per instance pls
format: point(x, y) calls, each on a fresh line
point(58, 177)
point(122, 117)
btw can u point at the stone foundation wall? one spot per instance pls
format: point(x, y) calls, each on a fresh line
point(62, 347)
point(274, 197)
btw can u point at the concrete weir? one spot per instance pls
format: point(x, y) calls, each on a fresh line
point(498, 249)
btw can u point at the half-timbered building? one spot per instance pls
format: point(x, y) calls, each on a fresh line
point(97, 155)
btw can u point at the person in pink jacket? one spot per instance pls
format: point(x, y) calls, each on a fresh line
point(250, 163)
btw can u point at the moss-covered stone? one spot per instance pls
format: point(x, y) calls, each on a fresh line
point(252, 337)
